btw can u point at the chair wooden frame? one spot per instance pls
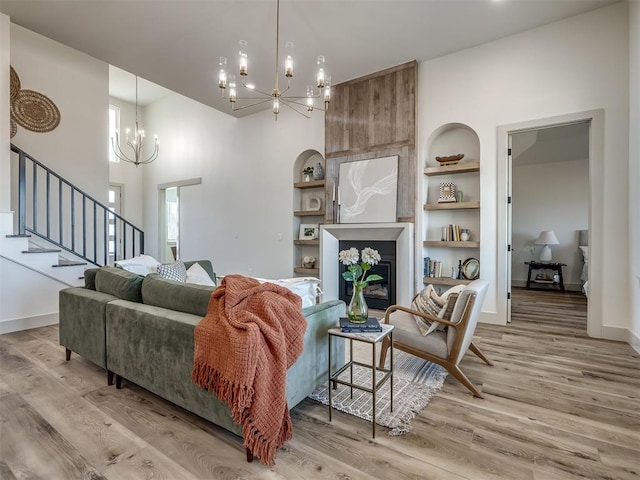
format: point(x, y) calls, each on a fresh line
point(449, 363)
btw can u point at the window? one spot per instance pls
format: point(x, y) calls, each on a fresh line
point(114, 126)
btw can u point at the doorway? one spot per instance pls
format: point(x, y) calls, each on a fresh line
point(595, 120)
point(170, 214)
point(548, 203)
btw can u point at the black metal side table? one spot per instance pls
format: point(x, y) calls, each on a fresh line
point(556, 267)
point(372, 338)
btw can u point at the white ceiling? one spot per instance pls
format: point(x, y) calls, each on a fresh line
point(177, 43)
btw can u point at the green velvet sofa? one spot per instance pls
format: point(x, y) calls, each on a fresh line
point(141, 329)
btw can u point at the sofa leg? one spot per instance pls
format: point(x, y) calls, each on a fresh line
point(109, 377)
point(67, 353)
point(249, 455)
point(118, 382)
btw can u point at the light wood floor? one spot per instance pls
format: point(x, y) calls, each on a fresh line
point(558, 405)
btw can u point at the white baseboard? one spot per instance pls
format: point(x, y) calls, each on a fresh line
point(619, 334)
point(18, 324)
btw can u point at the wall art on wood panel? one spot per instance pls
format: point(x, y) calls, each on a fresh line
point(367, 191)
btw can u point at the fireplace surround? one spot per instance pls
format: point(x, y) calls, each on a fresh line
point(330, 267)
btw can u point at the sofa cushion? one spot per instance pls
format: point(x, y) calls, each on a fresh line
point(119, 283)
point(182, 297)
point(90, 278)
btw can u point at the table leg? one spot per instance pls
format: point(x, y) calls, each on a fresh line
point(561, 279)
point(529, 278)
point(351, 366)
point(391, 368)
point(329, 373)
point(373, 386)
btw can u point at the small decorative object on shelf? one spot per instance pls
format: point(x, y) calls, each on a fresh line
point(318, 172)
point(307, 172)
point(459, 196)
point(309, 261)
point(447, 193)
point(450, 159)
point(357, 310)
point(464, 234)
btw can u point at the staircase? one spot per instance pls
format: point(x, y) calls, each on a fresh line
point(57, 231)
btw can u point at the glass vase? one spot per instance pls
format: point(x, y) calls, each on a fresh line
point(358, 311)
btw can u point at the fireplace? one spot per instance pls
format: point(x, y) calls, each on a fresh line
point(379, 294)
point(401, 233)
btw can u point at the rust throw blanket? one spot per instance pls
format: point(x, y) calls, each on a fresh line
point(251, 335)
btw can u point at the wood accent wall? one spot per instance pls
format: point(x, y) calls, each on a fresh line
point(371, 117)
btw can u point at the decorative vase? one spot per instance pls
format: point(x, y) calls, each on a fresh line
point(318, 172)
point(464, 235)
point(459, 196)
point(358, 311)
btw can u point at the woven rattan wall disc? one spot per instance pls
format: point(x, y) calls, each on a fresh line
point(14, 84)
point(14, 128)
point(35, 111)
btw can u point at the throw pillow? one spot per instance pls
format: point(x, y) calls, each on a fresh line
point(441, 306)
point(140, 264)
point(173, 271)
point(307, 288)
point(197, 274)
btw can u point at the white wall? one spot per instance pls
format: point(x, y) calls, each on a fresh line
point(634, 170)
point(78, 85)
point(76, 149)
point(553, 70)
point(240, 216)
point(549, 196)
point(5, 169)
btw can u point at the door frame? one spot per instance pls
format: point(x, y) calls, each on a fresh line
point(596, 215)
point(162, 223)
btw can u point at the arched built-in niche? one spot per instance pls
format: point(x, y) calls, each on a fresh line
point(308, 208)
point(451, 139)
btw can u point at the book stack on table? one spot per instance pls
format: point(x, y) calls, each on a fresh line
point(372, 325)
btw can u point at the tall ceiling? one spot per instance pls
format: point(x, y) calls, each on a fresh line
point(176, 43)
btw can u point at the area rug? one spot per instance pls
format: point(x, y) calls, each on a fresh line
point(415, 382)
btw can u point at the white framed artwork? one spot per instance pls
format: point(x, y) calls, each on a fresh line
point(367, 190)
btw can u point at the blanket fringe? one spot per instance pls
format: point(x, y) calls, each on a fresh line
point(238, 396)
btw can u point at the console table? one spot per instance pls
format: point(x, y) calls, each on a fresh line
point(556, 267)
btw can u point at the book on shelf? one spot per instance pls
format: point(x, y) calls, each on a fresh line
point(371, 325)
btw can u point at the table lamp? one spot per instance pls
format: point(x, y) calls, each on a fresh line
point(546, 238)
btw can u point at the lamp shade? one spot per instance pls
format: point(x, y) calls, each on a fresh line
point(546, 238)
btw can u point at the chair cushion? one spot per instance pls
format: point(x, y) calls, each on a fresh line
point(406, 331)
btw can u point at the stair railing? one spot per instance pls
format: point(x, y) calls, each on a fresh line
point(80, 224)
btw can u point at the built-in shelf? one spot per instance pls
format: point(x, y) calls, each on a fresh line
point(307, 242)
point(307, 271)
point(449, 169)
point(442, 243)
point(452, 206)
point(311, 184)
point(445, 281)
point(309, 213)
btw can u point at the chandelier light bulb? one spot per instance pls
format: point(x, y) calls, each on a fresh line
point(222, 75)
point(232, 88)
point(309, 98)
point(244, 68)
point(288, 63)
point(320, 75)
point(327, 90)
point(276, 105)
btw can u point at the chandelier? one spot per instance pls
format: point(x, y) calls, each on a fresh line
point(136, 143)
point(302, 105)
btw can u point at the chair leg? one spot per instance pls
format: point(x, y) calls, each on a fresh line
point(455, 370)
point(477, 351)
point(383, 351)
